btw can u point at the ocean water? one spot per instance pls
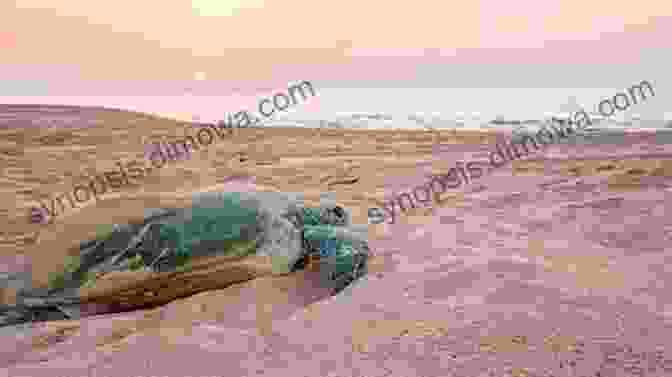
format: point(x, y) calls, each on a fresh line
point(377, 108)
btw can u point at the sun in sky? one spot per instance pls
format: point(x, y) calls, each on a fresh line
point(223, 7)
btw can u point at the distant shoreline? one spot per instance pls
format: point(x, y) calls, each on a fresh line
point(66, 116)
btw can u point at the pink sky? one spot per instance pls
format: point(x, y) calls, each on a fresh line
point(172, 40)
point(72, 49)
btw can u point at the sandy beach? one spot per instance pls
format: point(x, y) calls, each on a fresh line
point(552, 263)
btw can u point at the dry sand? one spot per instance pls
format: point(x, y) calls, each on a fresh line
point(42, 163)
point(547, 264)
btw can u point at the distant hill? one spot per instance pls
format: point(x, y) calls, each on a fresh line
point(43, 116)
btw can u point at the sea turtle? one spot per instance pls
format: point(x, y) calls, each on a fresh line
point(264, 224)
